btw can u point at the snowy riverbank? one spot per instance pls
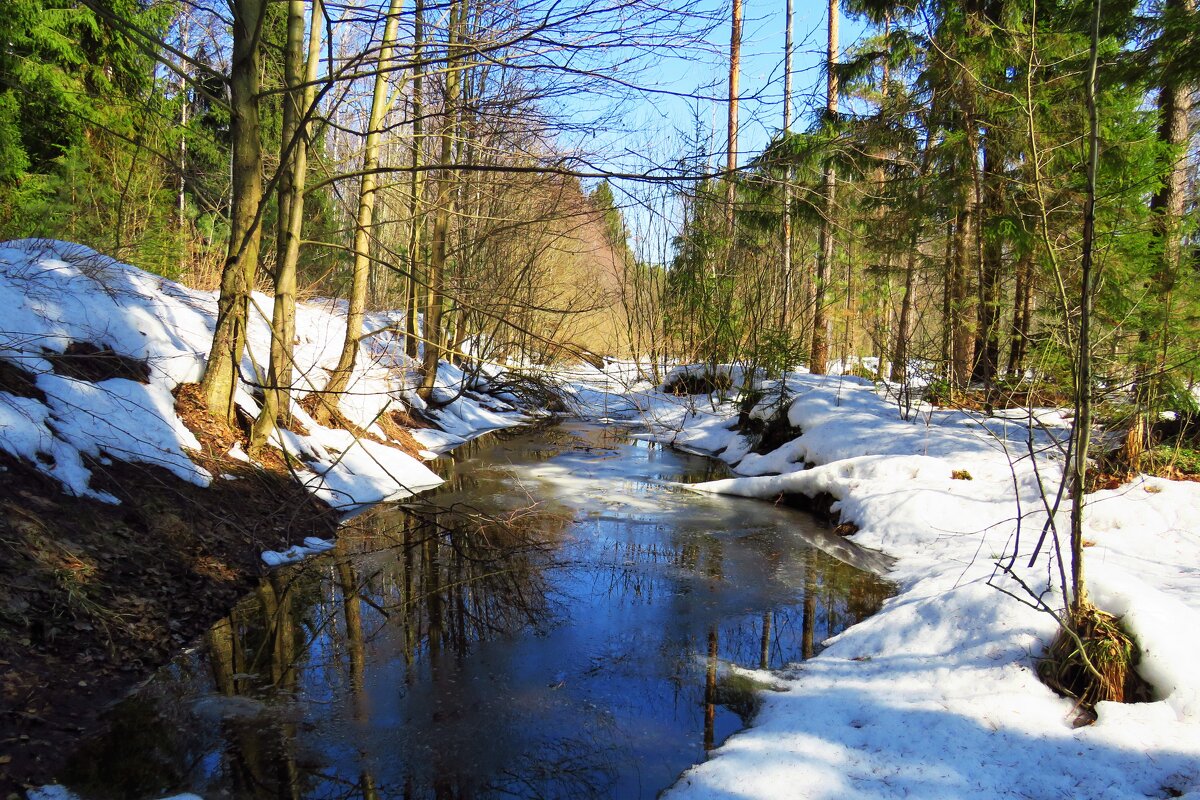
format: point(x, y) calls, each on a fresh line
point(93, 350)
point(936, 695)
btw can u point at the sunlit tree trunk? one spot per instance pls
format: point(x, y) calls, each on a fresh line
point(819, 353)
point(785, 233)
point(300, 74)
point(1082, 429)
point(444, 211)
point(416, 270)
point(731, 142)
point(381, 103)
point(241, 263)
point(1168, 205)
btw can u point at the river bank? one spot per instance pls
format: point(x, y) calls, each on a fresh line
point(131, 520)
point(936, 695)
point(956, 498)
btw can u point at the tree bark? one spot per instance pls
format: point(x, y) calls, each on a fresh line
point(1083, 367)
point(381, 103)
point(987, 336)
point(432, 328)
point(961, 338)
point(785, 232)
point(1022, 311)
point(819, 353)
point(300, 74)
point(1168, 206)
point(219, 383)
point(416, 270)
point(731, 145)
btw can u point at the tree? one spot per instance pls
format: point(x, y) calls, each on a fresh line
point(819, 353)
point(382, 100)
point(221, 374)
point(300, 75)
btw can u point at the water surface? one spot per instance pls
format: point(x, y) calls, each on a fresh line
point(560, 620)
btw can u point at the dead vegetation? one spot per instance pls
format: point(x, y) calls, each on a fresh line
point(706, 382)
point(85, 361)
point(1094, 662)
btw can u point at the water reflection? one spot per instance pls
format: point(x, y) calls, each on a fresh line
point(556, 622)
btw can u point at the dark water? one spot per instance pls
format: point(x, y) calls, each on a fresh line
point(556, 622)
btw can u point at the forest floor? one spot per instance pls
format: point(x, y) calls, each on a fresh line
point(95, 596)
point(130, 519)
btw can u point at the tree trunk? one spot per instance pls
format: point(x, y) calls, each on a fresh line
point(731, 145)
point(961, 338)
point(381, 103)
point(785, 232)
point(987, 336)
point(820, 335)
point(416, 271)
point(297, 106)
point(1168, 206)
point(1083, 367)
point(432, 328)
point(1022, 310)
point(904, 324)
point(241, 263)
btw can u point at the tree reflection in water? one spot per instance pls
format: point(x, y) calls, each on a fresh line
point(478, 644)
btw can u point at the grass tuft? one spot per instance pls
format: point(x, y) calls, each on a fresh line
point(1094, 662)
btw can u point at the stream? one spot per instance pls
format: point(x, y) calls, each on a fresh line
point(559, 620)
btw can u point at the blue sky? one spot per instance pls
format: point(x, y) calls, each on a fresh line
point(653, 128)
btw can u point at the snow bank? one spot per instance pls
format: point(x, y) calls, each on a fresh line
point(935, 696)
point(59, 296)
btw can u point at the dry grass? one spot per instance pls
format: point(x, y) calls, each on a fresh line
point(1094, 662)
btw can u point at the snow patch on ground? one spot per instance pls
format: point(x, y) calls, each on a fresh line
point(57, 294)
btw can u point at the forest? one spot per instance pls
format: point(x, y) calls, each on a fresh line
point(671, 217)
point(923, 227)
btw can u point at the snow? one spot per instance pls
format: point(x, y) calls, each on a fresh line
point(933, 697)
point(936, 695)
point(57, 294)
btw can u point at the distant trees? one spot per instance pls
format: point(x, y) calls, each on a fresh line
point(929, 216)
point(958, 209)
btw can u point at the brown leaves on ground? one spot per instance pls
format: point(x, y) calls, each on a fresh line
point(111, 592)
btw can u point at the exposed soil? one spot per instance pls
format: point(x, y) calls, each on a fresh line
point(94, 597)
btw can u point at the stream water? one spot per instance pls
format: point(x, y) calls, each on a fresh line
point(558, 621)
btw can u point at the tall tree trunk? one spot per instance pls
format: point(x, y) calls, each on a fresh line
point(444, 211)
point(381, 104)
point(1083, 366)
point(819, 353)
point(300, 75)
point(1167, 206)
point(905, 324)
point(785, 232)
point(731, 144)
point(987, 336)
point(219, 383)
point(899, 372)
point(964, 254)
point(416, 271)
point(947, 353)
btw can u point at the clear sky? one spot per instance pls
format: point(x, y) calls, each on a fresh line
point(686, 94)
